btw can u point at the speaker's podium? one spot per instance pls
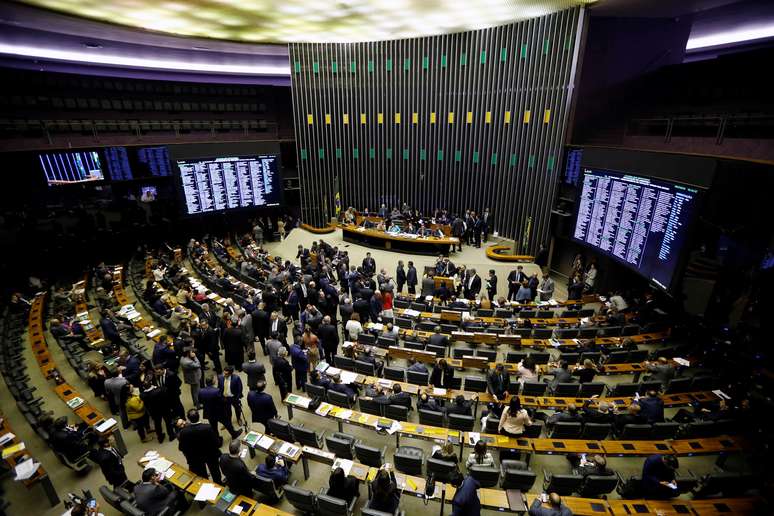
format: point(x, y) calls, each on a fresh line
point(439, 280)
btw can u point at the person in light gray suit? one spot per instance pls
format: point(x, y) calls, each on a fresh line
point(546, 288)
point(561, 374)
point(192, 373)
point(114, 389)
point(255, 372)
point(553, 507)
point(661, 371)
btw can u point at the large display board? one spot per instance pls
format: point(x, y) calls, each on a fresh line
point(62, 168)
point(640, 222)
point(127, 163)
point(215, 184)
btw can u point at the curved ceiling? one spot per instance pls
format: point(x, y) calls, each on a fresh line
point(319, 21)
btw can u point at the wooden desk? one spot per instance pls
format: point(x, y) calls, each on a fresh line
point(669, 507)
point(711, 445)
point(726, 506)
point(635, 448)
point(578, 506)
point(629, 507)
point(391, 242)
point(563, 446)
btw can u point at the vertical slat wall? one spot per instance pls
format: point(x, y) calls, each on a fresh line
point(458, 121)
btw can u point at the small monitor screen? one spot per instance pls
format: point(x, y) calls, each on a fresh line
point(65, 168)
point(225, 183)
point(127, 163)
point(640, 222)
point(148, 193)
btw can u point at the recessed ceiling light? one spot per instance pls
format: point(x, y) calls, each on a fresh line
point(92, 45)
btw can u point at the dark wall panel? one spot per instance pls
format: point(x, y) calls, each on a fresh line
point(466, 120)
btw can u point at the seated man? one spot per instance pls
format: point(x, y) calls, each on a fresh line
point(427, 402)
point(652, 407)
point(658, 477)
point(151, 496)
point(460, 406)
point(367, 355)
point(438, 338)
point(552, 507)
point(632, 416)
point(661, 371)
point(595, 465)
point(602, 414)
point(399, 397)
point(570, 415)
point(317, 379)
point(418, 367)
point(343, 388)
point(238, 478)
point(68, 440)
point(275, 469)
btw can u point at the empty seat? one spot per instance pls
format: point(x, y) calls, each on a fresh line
point(540, 357)
point(369, 455)
point(366, 339)
point(598, 485)
point(343, 362)
point(638, 355)
point(492, 425)
point(590, 389)
point(410, 344)
point(635, 432)
point(618, 357)
point(268, 488)
point(542, 333)
point(527, 314)
point(307, 436)
point(397, 412)
point(567, 333)
point(566, 430)
point(339, 399)
point(332, 506)
point(700, 429)
point(678, 385)
point(545, 314)
point(458, 353)
point(629, 330)
point(461, 422)
point(533, 389)
point(430, 417)
point(594, 356)
point(370, 407)
point(485, 312)
point(503, 313)
point(514, 357)
point(610, 331)
point(475, 383)
point(300, 498)
point(409, 460)
point(563, 485)
point(417, 377)
point(664, 431)
point(566, 390)
point(386, 342)
point(440, 351)
point(402, 322)
point(395, 373)
point(489, 354)
point(366, 368)
point(650, 385)
point(516, 475)
point(702, 383)
point(443, 470)
point(587, 333)
point(571, 358)
point(596, 431)
point(624, 390)
point(341, 444)
point(487, 476)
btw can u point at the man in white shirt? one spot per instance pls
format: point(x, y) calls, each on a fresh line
point(618, 301)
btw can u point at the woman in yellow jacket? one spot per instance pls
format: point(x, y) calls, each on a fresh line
point(135, 411)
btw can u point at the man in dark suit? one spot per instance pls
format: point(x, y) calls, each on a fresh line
point(486, 223)
point(110, 462)
point(200, 444)
point(329, 338)
point(151, 496)
point(238, 477)
point(491, 285)
point(438, 338)
point(170, 385)
point(411, 278)
point(255, 371)
point(632, 416)
point(210, 344)
point(472, 285)
point(230, 387)
point(261, 404)
point(497, 382)
point(213, 404)
point(400, 277)
point(261, 325)
point(369, 264)
point(399, 397)
point(652, 407)
point(234, 346)
point(442, 375)
point(278, 324)
point(515, 278)
point(553, 507)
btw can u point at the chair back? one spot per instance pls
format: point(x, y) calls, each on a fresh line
point(279, 428)
point(343, 362)
point(307, 437)
point(332, 506)
point(370, 407)
point(300, 498)
point(567, 390)
point(268, 488)
point(596, 431)
point(408, 459)
point(441, 468)
point(315, 390)
point(368, 455)
point(533, 389)
point(395, 373)
point(636, 433)
point(339, 399)
point(598, 485)
point(397, 412)
point(430, 417)
point(475, 383)
point(566, 430)
point(366, 368)
point(487, 476)
point(341, 447)
point(417, 377)
point(590, 389)
point(460, 422)
point(564, 485)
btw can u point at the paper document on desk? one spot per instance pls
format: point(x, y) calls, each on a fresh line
point(348, 377)
point(207, 493)
point(474, 437)
point(333, 371)
point(161, 464)
point(75, 402)
point(252, 438)
point(343, 414)
point(105, 425)
point(265, 442)
point(7, 438)
point(288, 450)
point(26, 469)
point(377, 326)
point(344, 464)
point(7, 452)
point(408, 312)
point(321, 367)
point(439, 392)
point(387, 384)
point(556, 343)
point(682, 361)
point(323, 409)
point(395, 427)
point(721, 394)
point(154, 333)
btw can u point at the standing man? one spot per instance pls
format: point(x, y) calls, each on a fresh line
point(411, 278)
point(255, 372)
point(277, 324)
point(329, 337)
point(200, 444)
point(116, 395)
point(170, 384)
point(369, 264)
point(261, 404)
point(458, 232)
point(230, 387)
point(400, 276)
point(192, 374)
point(213, 403)
point(233, 345)
point(110, 462)
point(491, 285)
point(261, 324)
point(486, 223)
point(546, 287)
point(472, 285)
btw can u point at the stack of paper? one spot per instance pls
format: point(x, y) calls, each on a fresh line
point(408, 312)
point(348, 377)
point(6, 438)
point(265, 442)
point(682, 361)
point(439, 392)
point(288, 450)
point(75, 402)
point(322, 366)
point(161, 464)
point(153, 333)
point(207, 493)
point(474, 437)
point(323, 409)
point(26, 469)
point(343, 414)
point(105, 425)
point(252, 438)
point(395, 427)
point(333, 371)
point(344, 464)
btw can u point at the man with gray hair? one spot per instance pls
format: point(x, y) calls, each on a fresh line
point(602, 414)
point(238, 477)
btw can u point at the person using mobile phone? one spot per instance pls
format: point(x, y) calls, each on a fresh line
point(549, 505)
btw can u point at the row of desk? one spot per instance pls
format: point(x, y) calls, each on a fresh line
point(66, 392)
point(681, 447)
point(40, 476)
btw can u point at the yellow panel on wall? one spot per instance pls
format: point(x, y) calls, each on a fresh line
point(327, 118)
point(380, 118)
point(397, 118)
point(451, 117)
point(507, 117)
point(309, 119)
point(469, 117)
point(346, 118)
point(488, 117)
point(527, 116)
point(547, 116)
point(414, 118)
point(362, 118)
point(432, 117)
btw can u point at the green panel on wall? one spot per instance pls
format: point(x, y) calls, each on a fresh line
point(422, 155)
point(457, 155)
point(503, 54)
point(372, 153)
point(443, 60)
point(353, 66)
point(389, 153)
point(338, 152)
point(334, 66)
point(440, 154)
point(550, 163)
point(546, 46)
point(531, 161)
point(513, 160)
point(355, 153)
point(475, 156)
point(493, 161)
point(425, 62)
point(464, 58)
point(315, 67)
point(406, 64)
point(297, 66)
point(405, 153)
point(483, 56)
point(370, 66)
point(321, 153)
point(524, 51)
point(303, 154)
point(388, 64)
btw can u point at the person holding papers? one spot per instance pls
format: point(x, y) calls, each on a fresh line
point(275, 469)
point(238, 477)
point(546, 288)
point(343, 487)
point(658, 477)
point(385, 496)
point(110, 462)
point(151, 496)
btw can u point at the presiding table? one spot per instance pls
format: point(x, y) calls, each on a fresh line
point(398, 242)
